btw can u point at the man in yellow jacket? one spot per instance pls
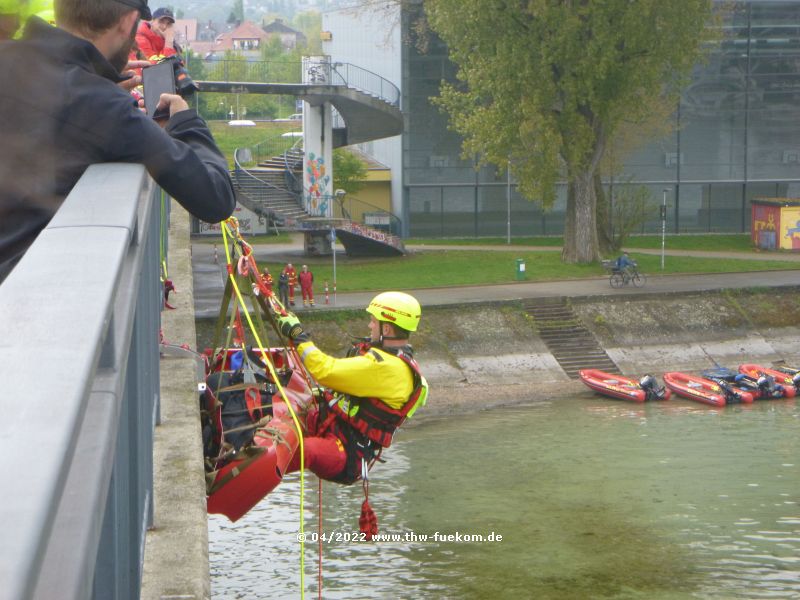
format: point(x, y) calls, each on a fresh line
point(373, 390)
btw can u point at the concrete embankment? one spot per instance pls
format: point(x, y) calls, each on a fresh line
point(488, 354)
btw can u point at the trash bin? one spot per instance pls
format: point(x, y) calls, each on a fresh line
point(520, 269)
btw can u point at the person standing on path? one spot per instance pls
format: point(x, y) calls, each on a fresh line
point(292, 274)
point(306, 284)
point(283, 287)
point(266, 277)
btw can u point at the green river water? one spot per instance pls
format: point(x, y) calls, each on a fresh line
point(593, 498)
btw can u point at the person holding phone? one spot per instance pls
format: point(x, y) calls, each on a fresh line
point(61, 110)
point(156, 38)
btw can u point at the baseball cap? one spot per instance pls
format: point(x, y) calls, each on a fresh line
point(140, 5)
point(161, 13)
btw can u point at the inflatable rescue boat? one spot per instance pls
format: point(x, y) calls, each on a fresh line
point(624, 388)
point(788, 384)
point(716, 392)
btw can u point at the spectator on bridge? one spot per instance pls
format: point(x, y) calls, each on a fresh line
point(61, 112)
point(306, 283)
point(291, 272)
point(156, 38)
point(283, 287)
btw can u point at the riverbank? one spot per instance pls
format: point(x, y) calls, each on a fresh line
point(489, 354)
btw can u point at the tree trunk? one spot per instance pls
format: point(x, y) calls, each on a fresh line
point(605, 240)
point(569, 220)
point(580, 236)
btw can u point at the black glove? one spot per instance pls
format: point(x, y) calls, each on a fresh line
point(290, 327)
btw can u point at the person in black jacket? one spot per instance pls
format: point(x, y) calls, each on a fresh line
point(61, 110)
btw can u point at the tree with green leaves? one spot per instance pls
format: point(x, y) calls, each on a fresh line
point(349, 171)
point(546, 84)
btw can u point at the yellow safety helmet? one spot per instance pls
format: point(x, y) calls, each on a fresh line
point(397, 308)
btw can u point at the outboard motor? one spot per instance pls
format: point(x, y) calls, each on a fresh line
point(767, 387)
point(650, 385)
point(647, 382)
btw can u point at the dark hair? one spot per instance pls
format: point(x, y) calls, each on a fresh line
point(89, 17)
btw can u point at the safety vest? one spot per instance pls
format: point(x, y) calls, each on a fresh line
point(372, 417)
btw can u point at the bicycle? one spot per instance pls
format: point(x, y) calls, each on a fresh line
point(623, 277)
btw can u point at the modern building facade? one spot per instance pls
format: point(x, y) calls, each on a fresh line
point(735, 134)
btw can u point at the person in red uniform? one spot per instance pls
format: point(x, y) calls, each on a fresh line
point(266, 278)
point(156, 38)
point(373, 390)
point(306, 282)
point(291, 273)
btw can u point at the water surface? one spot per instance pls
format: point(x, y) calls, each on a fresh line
point(593, 498)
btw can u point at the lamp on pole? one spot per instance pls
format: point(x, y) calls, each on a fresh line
point(333, 252)
point(663, 226)
point(508, 202)
point(339, 196)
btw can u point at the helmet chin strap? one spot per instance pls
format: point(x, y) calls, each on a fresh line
point(382, 338)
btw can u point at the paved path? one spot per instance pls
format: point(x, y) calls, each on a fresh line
point(208, 280)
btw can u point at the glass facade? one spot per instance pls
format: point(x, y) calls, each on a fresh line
point(736, 135)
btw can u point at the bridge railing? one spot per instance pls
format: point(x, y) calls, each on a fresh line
point(316, 72)
point(79, 317)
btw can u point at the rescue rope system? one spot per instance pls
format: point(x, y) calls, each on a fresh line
point(241, 265)
point(246, 267)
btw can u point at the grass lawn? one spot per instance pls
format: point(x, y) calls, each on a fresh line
point(229, 138)
point(467, 267)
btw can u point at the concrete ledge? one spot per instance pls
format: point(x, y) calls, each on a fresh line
point(176, 550)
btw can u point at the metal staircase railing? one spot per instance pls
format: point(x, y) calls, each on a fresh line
point(303, 219)
point(262, 193)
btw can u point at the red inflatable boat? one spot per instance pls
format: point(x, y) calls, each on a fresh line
point(249, 435)
point(784, 381)
point(700, 389)
point(623, 388)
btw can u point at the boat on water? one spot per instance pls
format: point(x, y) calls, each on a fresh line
point(788, 384)
point(624, 388)
point(249, 435)
point(715, 392)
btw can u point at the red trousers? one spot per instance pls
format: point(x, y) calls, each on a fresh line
point(324, 454)
point(307, 293)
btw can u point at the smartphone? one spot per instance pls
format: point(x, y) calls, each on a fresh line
point(157, 79)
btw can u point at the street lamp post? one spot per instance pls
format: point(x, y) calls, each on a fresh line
point(508, 203)
point(333, 252)
point(663, 226)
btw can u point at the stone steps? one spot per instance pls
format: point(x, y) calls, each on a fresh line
point(572, 345)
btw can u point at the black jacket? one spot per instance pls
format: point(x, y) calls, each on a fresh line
point(61, 111)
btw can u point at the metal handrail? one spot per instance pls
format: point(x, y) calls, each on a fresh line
point(340, 74)
point(366, 81)
point(296, 184)
point(83, 309)
point(240, 173)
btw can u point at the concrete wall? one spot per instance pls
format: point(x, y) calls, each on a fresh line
point(370, 38)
